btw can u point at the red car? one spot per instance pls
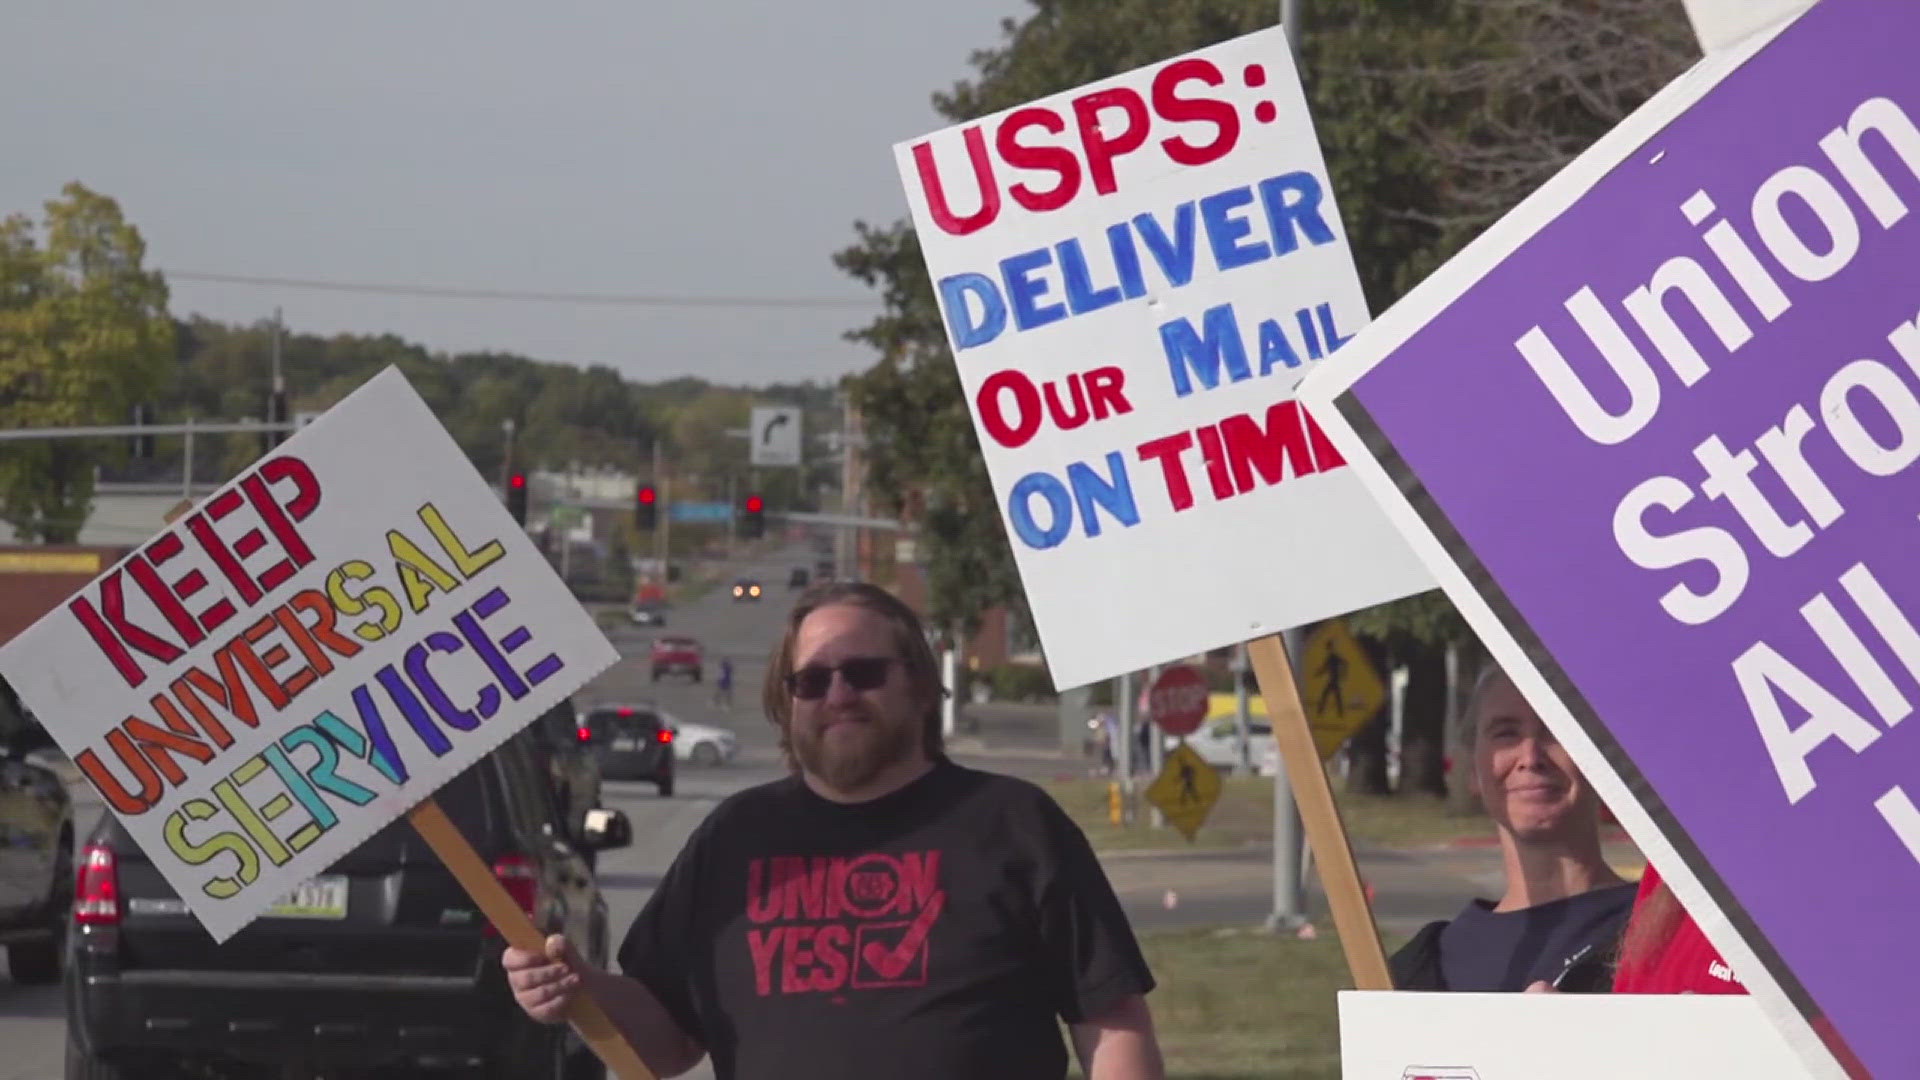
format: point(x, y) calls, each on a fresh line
point(671, 654)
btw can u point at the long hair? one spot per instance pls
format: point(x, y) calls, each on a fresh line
point(1652, 926)
point(909, 639)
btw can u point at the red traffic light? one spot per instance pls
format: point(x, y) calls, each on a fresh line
point(517, 480)
point(754, 505)
point(647, 496)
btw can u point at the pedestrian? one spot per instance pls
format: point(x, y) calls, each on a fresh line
point(1560, 916)
point(723, 686)
point(880, 912)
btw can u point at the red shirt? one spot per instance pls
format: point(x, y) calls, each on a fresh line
point(1687, 964)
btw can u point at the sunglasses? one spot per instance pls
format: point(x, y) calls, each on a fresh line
point(812, 682)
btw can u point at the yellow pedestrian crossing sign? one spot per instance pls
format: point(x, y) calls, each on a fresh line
point(1343, 688)
point(1185, 790)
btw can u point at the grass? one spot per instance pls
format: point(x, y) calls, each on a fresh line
point(1240, 1004)
point(1244, 815)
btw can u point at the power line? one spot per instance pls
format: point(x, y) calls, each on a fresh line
point(523, 296)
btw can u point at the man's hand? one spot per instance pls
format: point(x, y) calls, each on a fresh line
point(544, 983)
point(1541, 986)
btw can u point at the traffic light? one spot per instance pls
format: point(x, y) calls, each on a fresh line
point(517, 497)
point(646, 508)
point(753, 521)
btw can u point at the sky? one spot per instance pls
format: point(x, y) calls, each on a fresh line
point(677, 148)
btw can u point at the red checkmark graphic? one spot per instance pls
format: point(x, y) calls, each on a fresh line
point(892, 963)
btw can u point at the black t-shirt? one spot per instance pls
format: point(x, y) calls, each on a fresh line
point(937, 932)
point(1486, 951)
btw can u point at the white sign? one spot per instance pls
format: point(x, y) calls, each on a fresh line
point(1720, 24)
point(775, 435)
point(1134, 276)
point(310, 653)
point(1399, 1035)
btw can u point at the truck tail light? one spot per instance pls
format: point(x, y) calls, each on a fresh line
point(520, 876)
point(96, 887)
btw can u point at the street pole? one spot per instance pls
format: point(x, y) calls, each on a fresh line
point(843, 538)
point(661, 515)
point(506, 459)
point(279, 384)
point(733, 516)
point(950, 677)
point(1289, 838)
point(666, 531)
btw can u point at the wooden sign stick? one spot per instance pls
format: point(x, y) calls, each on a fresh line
point(586, 1016)
point(1352, 917)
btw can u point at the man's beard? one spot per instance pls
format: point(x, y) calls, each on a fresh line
point(856, 757)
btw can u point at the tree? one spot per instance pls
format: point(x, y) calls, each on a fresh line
point(1435, 119)
point(84, 336)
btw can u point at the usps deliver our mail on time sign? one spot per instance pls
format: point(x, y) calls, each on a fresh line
point(1134, 277)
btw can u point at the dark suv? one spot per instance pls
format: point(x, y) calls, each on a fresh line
point(36, 848)
point(564, 753)
point(388, 965)
point(632, 744)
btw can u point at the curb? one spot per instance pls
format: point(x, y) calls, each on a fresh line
point(1178, 852)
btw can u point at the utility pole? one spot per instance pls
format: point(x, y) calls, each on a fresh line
point(1289, 838)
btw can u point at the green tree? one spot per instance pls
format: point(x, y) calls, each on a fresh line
point(84, 336)
point(1435, 119)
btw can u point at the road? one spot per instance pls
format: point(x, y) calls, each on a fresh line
point(1213, 888)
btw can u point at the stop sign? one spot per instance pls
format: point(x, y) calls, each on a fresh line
point(1178, 700)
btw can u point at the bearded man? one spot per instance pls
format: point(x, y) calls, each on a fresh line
point(882, 912)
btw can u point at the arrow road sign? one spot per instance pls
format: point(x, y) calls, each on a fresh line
point(775, 435)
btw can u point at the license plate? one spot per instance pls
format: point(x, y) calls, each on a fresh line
point(626, 744)
point(319, 898)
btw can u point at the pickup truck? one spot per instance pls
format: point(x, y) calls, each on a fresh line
point(36, 848)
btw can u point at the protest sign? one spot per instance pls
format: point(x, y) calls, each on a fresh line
point(308, 654)
point(1451, 1036)
point(1134, 276)
point(1654, 433)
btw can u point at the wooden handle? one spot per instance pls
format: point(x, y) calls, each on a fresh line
point(1293, 735)
point(586, 1016)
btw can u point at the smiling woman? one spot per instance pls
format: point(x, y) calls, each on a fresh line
point(1560, 918)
